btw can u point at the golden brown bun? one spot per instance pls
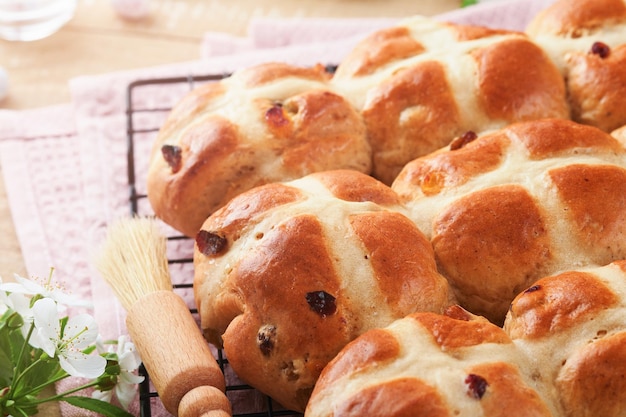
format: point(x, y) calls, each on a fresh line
point(620, 135)
point(268, 123)
point(518, 204)
point(587, 41)
point(422, 83)
point(286, 274)
point(430, 365)
point(572, 327)
point(562, 353)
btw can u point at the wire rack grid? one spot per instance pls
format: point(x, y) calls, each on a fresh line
point(140, 137)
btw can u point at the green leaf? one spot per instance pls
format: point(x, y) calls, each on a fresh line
point(5, 316)
point(19, 409)
point(465, 3)
point(6, 364)
point(11, 342)
point(98, 406)
point(39, 375)
point(16, 341)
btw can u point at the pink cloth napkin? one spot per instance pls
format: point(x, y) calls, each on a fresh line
point(267, 33)
point(65, 167)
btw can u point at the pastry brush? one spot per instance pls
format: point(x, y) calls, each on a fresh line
point(181, 366)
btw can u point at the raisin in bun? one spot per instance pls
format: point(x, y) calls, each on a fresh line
point(430, 365)
point(572, 327)
point(421, 83)
point(268, 123)
point(286, 274)
point(587, 41)
point(514, 205)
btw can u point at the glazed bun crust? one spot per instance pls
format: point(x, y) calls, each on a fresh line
point(592, 380)
point(302, 268)
point(572, 327)
point(422, 83)
point(494, 243)
point(552, 305)
point(594, 87)
point(587, 41)
point(561, 352)
point(268, 123)
point(426, 364)
point(517, 204)
point(620, 135)
point(436, 229)
point(579, 18)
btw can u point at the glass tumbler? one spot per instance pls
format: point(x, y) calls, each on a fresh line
point(29, 20)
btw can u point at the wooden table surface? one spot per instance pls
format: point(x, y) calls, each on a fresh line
point(98, 41)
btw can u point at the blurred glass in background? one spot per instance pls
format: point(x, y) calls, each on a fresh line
point(29, 20)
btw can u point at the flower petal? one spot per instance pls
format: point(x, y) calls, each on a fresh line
point(102, 395)
point(100, 345)
point(81, 365)
point(82, 330)
point(125, 393)
point(129, 361)
point(68, 299)
point(27, 286)
point(14, 287)
point(18, 303)
point(131, 378)
point(43, 342)
point(46, 317)
point(47, 325)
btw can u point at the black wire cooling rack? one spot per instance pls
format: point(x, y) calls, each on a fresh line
point(257, 404)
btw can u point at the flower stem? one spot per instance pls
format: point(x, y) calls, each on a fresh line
point(16, 377)
point(22, 412)
point(68, 392)
point(48, 382)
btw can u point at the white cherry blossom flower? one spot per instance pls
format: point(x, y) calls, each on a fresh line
point(79, 333)
point(126, 386)
point(16, 302)
point(20, 304)
point(48, 289)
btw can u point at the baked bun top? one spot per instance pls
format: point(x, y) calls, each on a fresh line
point(578, 19)
point(587, 41)
point(561, 353)
point(509, 207)
point(429, 365)
point(572, 326)
point(268, 123)
point(286, 274)
point(620, 135)
point(422, 83)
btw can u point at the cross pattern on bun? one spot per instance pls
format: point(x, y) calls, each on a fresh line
point(268, 123)
point(287, 274)
point(430, 365)
point(422, 83)
point(509, 207)
point(572, 327)
point(587, 41)
point(561, 353)
point(480, 187)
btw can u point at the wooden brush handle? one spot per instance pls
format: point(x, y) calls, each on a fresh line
point(205, 402)
point(176, 356)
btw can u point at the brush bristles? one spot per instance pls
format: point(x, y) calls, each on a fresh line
point(133, 260)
